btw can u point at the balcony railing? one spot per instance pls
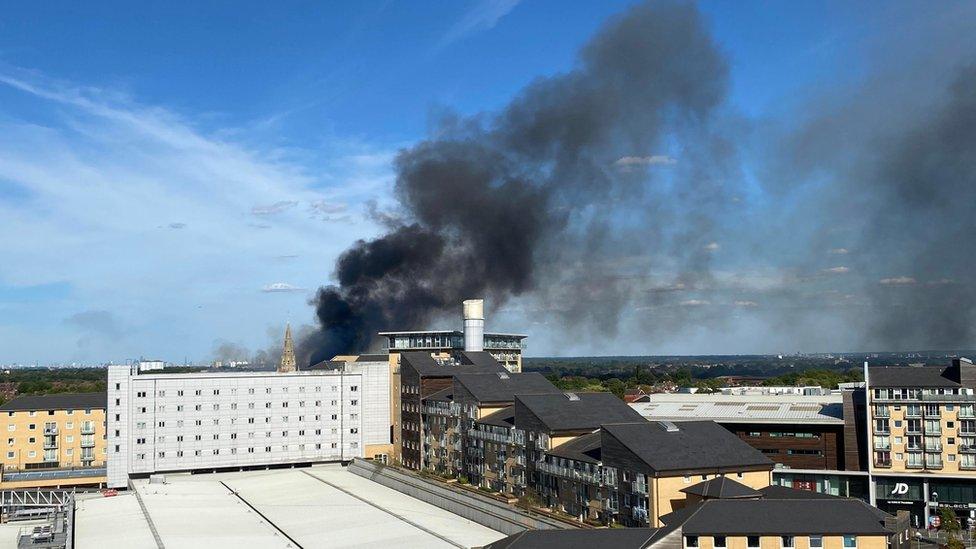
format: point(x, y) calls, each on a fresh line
point(87, 430)
point(51, 430)
point(933, 446)
point(882, 463)
point(50, 444)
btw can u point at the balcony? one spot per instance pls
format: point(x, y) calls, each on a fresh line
point(884, 464)
point(50, 444)
point(51, 431)
point(88, 430)
point(87, 443)
point(914, 465)
point(967, 466)
point(933, 465)
point(933, 446)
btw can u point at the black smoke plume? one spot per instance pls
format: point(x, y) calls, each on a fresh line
point(494, 202)
point(627, 194)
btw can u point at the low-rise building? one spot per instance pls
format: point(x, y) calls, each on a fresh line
point(731, 515)
point(54, 440)
point(817, 441)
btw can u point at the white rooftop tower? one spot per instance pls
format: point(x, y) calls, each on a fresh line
point(474, 324)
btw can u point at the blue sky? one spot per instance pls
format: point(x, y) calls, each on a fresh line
point(180, 174)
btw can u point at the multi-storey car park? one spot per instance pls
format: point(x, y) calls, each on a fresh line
point(163, 422)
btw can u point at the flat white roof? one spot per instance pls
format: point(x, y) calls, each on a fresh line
point(317, 507)
point(815, 409)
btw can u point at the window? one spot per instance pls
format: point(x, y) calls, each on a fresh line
point(691, 541)
point(816, 542)
point(718, 542)
point(752, 542)
point(787, 541)
point(850, 542)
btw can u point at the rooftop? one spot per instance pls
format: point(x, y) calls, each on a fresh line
point(722, 488)
point(425, 365)
point(316, 507)
point(58, 401)
point(450, 332)
point(665, 448)
point(912, 376)
point(836, 516)
point(502, 418)
point(502, 387)
point(586, 448)
point(576, 411)
point(615, 538)
point(820, 409)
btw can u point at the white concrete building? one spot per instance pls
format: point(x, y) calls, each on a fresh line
point(160, 422)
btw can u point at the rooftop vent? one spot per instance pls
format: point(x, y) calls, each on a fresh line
point(669, 426)
point(502, 375)
point(572, 396)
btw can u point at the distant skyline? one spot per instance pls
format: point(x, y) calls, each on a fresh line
point(181, 176)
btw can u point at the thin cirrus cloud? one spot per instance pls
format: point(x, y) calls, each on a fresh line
point(88, 182)
point(281, 287)
point(897, 281)
point(484, 15)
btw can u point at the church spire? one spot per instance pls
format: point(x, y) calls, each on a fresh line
point(288, 354)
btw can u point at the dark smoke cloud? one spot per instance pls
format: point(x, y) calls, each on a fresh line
point(525, 200)
point(627, 200)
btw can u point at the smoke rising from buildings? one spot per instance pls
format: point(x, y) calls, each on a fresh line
point(613, 197)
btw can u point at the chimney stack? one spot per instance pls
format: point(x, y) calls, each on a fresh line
point(474, 324)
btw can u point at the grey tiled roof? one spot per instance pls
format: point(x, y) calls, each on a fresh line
point(559, 413)
point(722, 488)
point(910, 376)
point(502, 418)
point(780, 517)
point(614, 538)
point(502, 387)
point(427, 366)
point(585, 448)
point(694, 445)
point(60, 401)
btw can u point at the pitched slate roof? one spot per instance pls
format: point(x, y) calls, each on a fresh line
point(59, 401)
point(693, 445)
point(585, 448)
point(614, 538)
point(779, 517)
point(911, 376)
point(502, 386)
point(722, 488)
point(502, 418)
point(427, 366)
point(559, 412)
point(775, 491)
point(478, 358)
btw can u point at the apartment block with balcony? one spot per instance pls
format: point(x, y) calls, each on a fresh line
point(922, 436)
point(54, 440)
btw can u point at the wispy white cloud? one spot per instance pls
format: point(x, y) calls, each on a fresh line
point(837, 270)
point(695, 302)
point(635, 161)
point(897, 281)
point(838, 251)
point(281, 287)
point(96, 174)
point(483, 15)
point(746, 303)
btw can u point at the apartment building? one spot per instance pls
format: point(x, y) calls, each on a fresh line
point(163, 422)
point(54, 440)
point(421, 376)
point(922, 438)
point(731, 515)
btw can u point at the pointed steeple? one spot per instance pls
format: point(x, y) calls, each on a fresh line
point(288, 354)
